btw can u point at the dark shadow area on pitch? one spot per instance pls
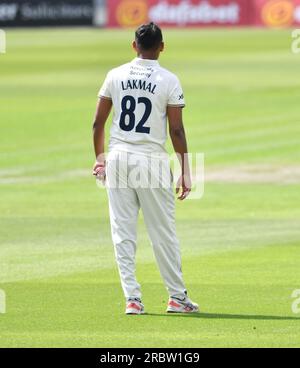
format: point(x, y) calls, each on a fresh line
point(226, 316)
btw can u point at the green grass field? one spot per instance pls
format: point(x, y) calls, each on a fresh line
point(240, 243)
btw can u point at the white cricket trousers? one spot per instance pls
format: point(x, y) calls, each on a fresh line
point(129, 190)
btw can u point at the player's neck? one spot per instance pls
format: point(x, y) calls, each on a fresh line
point(147, 56)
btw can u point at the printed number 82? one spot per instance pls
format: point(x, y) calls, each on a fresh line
point(128, 110)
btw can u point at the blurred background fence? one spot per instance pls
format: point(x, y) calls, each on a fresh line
point(130, 13)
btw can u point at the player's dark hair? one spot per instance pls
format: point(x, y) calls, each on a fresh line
point(148, 36)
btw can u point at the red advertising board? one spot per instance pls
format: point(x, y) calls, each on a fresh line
point(180, 13)
point(277, 13)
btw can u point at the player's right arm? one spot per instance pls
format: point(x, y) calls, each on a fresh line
point(103, 109)
point(178, 137)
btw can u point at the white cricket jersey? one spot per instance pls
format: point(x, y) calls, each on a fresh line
point(140, 92)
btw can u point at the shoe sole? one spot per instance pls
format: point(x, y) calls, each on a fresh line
point(182, 311)
point(134, 313)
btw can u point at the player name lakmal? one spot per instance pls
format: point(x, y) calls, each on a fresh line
point(138, 84)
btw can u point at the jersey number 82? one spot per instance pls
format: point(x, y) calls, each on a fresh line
point(128, 110)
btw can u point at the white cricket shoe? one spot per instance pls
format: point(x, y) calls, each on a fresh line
point(176, 305)
point(134, 306)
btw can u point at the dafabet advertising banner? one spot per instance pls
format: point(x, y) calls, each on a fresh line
point(129, 13)
point(204, 13)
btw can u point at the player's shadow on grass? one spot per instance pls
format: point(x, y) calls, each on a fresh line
point(226, 316)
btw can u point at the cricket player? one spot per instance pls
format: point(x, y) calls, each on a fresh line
point(144, 97)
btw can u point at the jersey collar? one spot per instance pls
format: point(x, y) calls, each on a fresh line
point(146, 62)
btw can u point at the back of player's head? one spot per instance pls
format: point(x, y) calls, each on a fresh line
point(148, 36)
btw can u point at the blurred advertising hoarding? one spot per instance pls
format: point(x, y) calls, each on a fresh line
point(167, 13)
point(204, 13)
point(277, 13)
point(179, 13)
point(30, 13)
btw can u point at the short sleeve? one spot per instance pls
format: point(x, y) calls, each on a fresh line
point(176, 96)
point(105, 90)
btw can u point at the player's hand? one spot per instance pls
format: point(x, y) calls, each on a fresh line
point(100, 171)
point(184, 184)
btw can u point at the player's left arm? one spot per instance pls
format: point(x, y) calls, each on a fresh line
point(178, 137)
point(103, 110)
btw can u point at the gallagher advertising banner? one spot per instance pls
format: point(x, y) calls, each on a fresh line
point(180, 13)
point(46, 13)
point(277, 13)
